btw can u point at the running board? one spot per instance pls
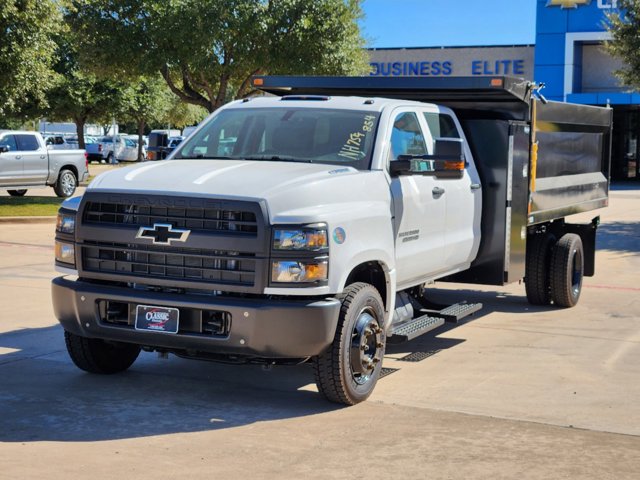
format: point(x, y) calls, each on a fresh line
point(457, 312)
point(430, 320)
point(414, 328)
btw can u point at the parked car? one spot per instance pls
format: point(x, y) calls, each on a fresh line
point(102, 150)
point(60, 142)
point(25, 162)
point(159, 143)
point(172, 143)
point(94, 149)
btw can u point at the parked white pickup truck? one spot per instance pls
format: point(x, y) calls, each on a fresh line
point(26, 162)
point(307, 226)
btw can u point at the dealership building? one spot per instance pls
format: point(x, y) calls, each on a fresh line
point(567, 57)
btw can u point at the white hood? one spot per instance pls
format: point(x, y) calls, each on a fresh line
point(287, 187)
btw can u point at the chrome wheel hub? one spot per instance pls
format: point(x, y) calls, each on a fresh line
point(367, 346)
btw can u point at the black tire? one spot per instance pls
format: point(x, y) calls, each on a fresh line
point(94, 355)
point(567, 270)
point(66, 184)
point(17, 193)
point(347, 372)
point(537, 270)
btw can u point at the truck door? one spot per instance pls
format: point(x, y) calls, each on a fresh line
point(10, 163)
point(419, 207)
point(34, 158)
point(462, 196)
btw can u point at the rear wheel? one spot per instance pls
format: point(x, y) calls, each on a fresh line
point(538, 263)
point(66, 184)
point(17, 193)
point(567, 270)
point(349, 369)
point(99, 356)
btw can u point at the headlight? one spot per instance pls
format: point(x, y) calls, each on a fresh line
point(288, 271)
point(66, 223)
point(65, 253)
point(301, 238)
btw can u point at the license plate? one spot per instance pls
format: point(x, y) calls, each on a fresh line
point(157, 319)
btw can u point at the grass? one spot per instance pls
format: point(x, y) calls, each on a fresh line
point(29, 206)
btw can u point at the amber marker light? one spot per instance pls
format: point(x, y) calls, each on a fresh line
point(258, 82)
point(496, 82)
point(449, 165)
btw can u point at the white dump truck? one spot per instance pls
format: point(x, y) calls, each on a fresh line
point(306, 225)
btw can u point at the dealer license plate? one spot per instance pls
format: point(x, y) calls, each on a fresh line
point(157, 319)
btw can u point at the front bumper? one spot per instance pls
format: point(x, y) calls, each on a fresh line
point(261, 328)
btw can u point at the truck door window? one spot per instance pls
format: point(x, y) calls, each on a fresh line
point(27, 143)
point(441, 125)
point(10, 142)
point(406, 136)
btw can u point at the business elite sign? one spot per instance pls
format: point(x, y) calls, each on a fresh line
point(602, 4)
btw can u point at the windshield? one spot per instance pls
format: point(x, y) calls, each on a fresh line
point(337, 137)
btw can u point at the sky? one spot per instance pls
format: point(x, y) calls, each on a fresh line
point(448, 23)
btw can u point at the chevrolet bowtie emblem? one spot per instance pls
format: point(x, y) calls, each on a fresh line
point(567, 3)
point(163, 234)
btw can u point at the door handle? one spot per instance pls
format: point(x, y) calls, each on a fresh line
point(18, 157)
point(42, 157)
point(437, 191)
point(475, 186)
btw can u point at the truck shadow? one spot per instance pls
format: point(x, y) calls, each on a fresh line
point(44, 397)
point(619, 237)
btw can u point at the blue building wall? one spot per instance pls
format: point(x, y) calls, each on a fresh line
point(562, 27)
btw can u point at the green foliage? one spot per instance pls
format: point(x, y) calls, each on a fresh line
point(207, 50)
point(26, 53)
point(625, 44)
point(78, 94)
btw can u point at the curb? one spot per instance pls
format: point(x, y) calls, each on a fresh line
point(28, 220)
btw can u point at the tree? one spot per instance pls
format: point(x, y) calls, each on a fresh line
point(26, 52)
point(207, 50)
point(79, 95)
point(624, 27)
point(145, 100)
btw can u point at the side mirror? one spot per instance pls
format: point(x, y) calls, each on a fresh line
point(448, 161)
point(5, 148)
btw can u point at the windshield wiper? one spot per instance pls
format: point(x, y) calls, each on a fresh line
point(276, 158)
point(208, 157)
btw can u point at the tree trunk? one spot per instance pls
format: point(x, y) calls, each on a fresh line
point(141, 124)
point(80, 122)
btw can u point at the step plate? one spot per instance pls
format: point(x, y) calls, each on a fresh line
point(415, 328)
point(457, 312)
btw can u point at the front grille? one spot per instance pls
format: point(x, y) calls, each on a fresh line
point(170, 263)
point(202, 218)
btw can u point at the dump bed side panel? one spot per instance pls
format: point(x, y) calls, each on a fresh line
point(571, 172)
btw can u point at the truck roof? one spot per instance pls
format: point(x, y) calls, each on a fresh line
point(374, 104)
point(505, 94)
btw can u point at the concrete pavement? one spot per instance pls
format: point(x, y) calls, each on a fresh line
point(515, 392)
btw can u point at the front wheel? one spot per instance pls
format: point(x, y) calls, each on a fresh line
point(94, 355)
point(17, 193)
point(348, 370)
point(66, 184)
